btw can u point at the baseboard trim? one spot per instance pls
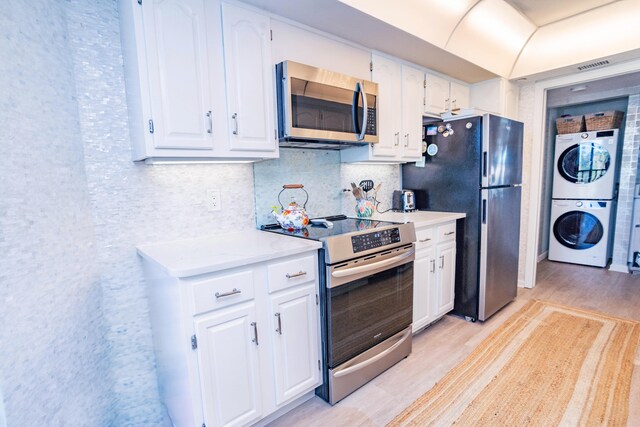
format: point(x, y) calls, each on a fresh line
point(523, 284)
point(620, 268)
point(543, 256)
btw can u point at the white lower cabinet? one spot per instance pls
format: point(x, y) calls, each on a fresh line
point(295, 341)
point(235, 346)
point(434, 274)
point(228, 360)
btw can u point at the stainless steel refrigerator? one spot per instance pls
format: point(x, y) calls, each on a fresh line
point(474, 165)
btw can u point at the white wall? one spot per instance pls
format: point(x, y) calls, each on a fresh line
point(525, 114)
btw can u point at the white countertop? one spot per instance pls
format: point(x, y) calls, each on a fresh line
point(185, 258)
point(419, 218)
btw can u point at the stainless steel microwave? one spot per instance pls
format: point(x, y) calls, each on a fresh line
point(324, 109)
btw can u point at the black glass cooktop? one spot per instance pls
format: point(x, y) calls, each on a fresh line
point(341, 225)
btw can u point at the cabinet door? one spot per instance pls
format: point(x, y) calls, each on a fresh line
point(436, 95)
point(446, 275)
point(424, 275)
point(459, 95)
point(294, 316)
point(412, 104)
point(387, 74)
point(178, 70)
point(250, 79)
point(228, 365)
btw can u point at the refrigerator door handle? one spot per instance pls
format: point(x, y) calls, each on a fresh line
point(484, 164)
point(484, 211)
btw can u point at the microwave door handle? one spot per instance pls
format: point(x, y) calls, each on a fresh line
point(360, 128)
point(365, 111)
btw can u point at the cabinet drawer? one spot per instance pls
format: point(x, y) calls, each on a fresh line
point(424, 237)
point(292, 272)
point(447, 232)
point(222, 291)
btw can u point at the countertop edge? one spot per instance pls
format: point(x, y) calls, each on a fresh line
point(145, 251)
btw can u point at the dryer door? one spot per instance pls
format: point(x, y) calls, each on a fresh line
point(578, 230)
point(584, 163)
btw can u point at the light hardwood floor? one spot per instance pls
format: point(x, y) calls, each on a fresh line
point(443, 345)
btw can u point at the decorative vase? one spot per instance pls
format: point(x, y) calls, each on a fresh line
point(365, 208)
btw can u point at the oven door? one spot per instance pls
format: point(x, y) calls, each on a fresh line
point(368, 300)
point(324, 105)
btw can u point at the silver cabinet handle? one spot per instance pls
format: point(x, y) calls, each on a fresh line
point(397, 136)
point(279, 328)
point(433, 266)
point(298, 274)
point(450, 233)
point(406, 140)
point(228, 294)
point(209, 122)
point(255, 332)
point(234, 116)
point(441, 262)
point(424, 240)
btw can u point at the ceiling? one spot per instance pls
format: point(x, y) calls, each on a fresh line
point(475, 40)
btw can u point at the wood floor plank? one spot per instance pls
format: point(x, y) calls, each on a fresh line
point(440, 347)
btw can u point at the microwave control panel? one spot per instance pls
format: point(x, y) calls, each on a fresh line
point(371, 122)
point(377, 239)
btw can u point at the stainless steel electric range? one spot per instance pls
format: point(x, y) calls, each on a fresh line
point(366, 298)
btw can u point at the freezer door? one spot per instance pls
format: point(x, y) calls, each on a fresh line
point(501, 151)
point(499, 246)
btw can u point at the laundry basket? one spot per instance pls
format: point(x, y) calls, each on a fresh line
point(603, 120)
point(570, 124)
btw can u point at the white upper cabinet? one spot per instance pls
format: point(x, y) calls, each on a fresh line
point(436, 94)
point(442, 95)
point(458, 96)
point(400, 106)
point(180, 103)
point(412, 103)
point(498, 96)
point(250, 79)
point(387, 74)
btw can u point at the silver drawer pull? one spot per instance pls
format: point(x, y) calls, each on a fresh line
point(424, 240)
point(433, 266)
point(228, 294)
point(442, 262)
point(298, 274)
point(255, 332)
point(279, 329)
point(450, 233)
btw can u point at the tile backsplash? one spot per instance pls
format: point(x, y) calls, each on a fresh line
point(323, 177)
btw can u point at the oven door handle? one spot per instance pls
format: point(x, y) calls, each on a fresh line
point(373, 266)
point(365, 363)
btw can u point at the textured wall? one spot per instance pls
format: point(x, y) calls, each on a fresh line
point(53, 353)
point(323, 176)
point(73, 207)
point(136, 203)
point(628, 179)
point(386, 175)
point(317, 170)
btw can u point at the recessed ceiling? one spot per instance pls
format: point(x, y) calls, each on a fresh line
point(475, 40)
point(543, 12)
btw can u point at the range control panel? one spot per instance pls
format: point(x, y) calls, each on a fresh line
point(377, 239)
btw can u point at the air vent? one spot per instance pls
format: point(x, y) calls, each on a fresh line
point(593, 65)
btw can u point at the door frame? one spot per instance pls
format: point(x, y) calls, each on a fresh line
point(538, 151)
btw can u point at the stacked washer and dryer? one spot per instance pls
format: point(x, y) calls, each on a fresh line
point(583, 206)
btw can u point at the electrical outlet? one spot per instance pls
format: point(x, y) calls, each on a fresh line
point(213, 200)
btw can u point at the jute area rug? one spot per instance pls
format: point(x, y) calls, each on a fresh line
point(548, 365)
